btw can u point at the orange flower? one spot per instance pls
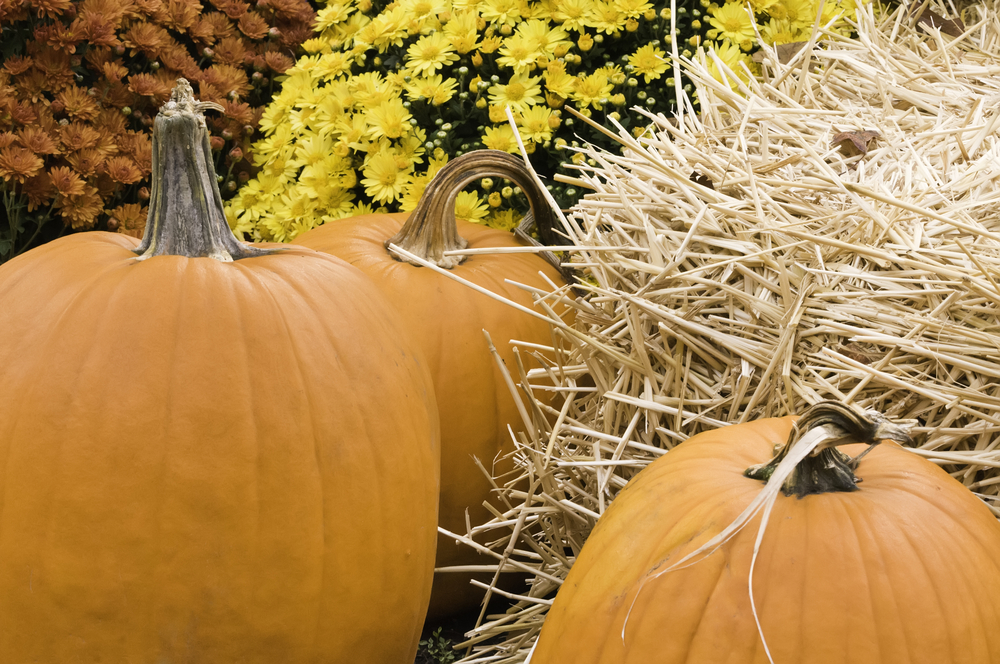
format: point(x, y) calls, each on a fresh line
point(38, 141)
point(33, 85)
point(97, 29)
point(137, 146)
point(146, 37)
point(50, 8)
point(6, 138)
point(86, 162)
point(77, 136)
point(22, 113)
point(81, 212)
point(180, 16)
point(145, 85)
point(231, 51)
point(226, 79)
point(238, 111)
point(279, 62)
point(234, 9)
point(78, 103)
point(39, 191)
point(17, 64)
point(114, 71)
point(253, 26)
point(174, 56)
point(129, 219)
point(222, 27)
point(66, 181)
point(18, 163)
point(121, 169)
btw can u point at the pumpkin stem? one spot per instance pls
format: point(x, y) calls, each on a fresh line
point(828, 469)
point(185, 207)
point(431, 228)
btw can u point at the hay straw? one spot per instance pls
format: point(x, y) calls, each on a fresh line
point(799, 274)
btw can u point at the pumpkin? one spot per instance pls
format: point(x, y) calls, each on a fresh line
point(904, 567)
point(212, 452)
point(447, 319)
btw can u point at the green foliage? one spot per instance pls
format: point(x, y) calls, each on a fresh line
point(436, 649)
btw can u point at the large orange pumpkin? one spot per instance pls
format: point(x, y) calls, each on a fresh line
point(904, 569)
point(208, 459)
point(447, 319)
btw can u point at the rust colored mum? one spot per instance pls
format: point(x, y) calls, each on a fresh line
point(82, 80)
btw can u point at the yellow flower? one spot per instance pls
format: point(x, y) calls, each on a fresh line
point(534, 124)
point(732, 21)
point(385, 30)
point(607, 17)
point(633, 8)
point(461, 31)
point(494, 199)
point(422, 9)
point(331, 65)
point(331, 15)
point(572, 14)
point(389, 119)
point(649, 62)
point(411, 146)
point(469, 207)
point(794, 11)
point(500, 137)
point(430, 53)
point(346, 31)
point(414, 190)
point(505, 220)
point(436, 89)
point(590, 90)
point(517, 53)
point(781, 32)
point(557, 81)
point(734, 58)
point(385, 177)
point(490, 44)
point(315, 45)
point(503, 12)
point(543, 38)
point(585, 42)
point(520, 92)
point(369, 89)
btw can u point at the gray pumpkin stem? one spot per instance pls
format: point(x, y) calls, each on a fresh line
point(186, 217)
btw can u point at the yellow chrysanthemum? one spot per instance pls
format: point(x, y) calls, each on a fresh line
point(331, 15)
point(534, 124)
point(414, 190)
point(649, 62)
point(500, 137)
point(505, 220)
point(503, 12)
point(461, 31)
point(385, 30)
point(794, 11)
point(590, 90)
point(385, 177)
point(558, 81)
point(633, 8)
point(390, 119)
point(435, 89)
point(331, 65)
point(517, 53)
point(544, 38)
point(782, 32)
point(572, 14)
point(520, 92)
point(732, 57)
point(469, 207)
point(732, 21)
point(422, 9)
point(346, 31)
point(606, 17)
point(430, 53)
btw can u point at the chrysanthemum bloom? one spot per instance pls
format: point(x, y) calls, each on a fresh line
point(385, 178)
point(732, 21)
point(520, 92)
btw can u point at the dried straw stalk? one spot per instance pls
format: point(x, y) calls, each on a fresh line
point(788, 273)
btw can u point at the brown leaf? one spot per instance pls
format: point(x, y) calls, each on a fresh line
point(854, 143)
point(703, 180)
point(785, 52)
point(953, 27)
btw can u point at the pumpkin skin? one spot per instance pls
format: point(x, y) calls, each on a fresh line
point(209, 461)
point(447, 319)
point(906, 569)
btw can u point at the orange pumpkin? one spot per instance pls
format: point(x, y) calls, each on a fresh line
point(447, 319)
point(208, 459)
point(904, 569)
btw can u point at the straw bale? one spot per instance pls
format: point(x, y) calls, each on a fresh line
point(829, 230)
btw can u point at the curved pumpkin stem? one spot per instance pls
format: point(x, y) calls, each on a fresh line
point(828, 469)
point(431, 229)
point(185, 207)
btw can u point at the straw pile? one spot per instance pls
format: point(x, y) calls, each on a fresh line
point(831, 230)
